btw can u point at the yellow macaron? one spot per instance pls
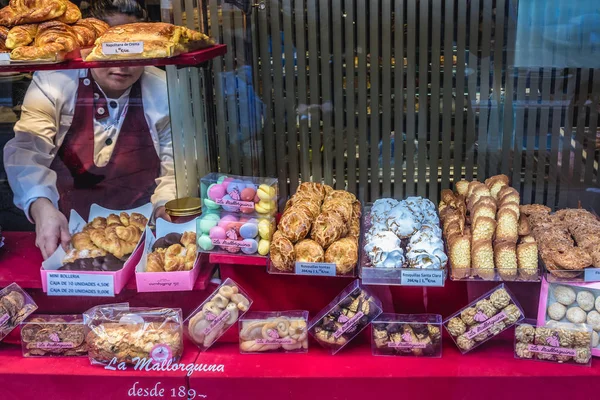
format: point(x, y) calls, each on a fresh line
point(266, 192)
point(266, 228)
point(263, 247)
point(265, 207)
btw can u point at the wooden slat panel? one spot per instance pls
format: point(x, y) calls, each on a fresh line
point(399, 70)
point(436, 25)
point(483, 140)
point(374, 132)
point(470, 150)
point(557, 110)
point(350, 52)
point(519, 124)
point(579, 135)
point(338, 95)
point(543, 150)
point(301, 71)
point(176, 128)
point(459, 134)
point(363, 149)
point(449, 91)
point(508, 116)
point(386, 98)
point(326, 92)
point(290, 95)
point(495, 136)
point(422, 149)
point(235, 166)
point(591, 138)
point(532, 111)
point(221, 120)
point(315, 97)
point(411, 128)
point(566, 171)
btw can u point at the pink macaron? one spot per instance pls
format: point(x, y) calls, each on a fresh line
point(225, 220)
point(216, 232)
point(216, 192)
point(248, 194)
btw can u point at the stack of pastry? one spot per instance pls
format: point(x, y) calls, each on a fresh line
point(160, 40)
point(486, 232)
point(175, 252)
point(45, 30)
point(319, 224)
point(117, 235)
point(569, 239)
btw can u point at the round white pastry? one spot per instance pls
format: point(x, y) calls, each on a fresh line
point(380, 246)
point(576, 315)
point(597, 304)
point(593, 320)
point(381, 208)
point(401, 220)
point(394, 259)
point(595, 339)
point(414, 205)
point(564, 295)
point(585, 300)
point(376, 228)
point(425, 260)
point(431, 228)
point(557, 311)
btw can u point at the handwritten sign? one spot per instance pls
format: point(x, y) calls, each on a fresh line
point(592, 275)
point(72, 284)
point(123, 47)
point(422, 277)
point(321, 269)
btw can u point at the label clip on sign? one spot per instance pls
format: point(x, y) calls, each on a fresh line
point(123, 47)
point(422, 277)
point(69, 284)
point(592, 275)
point(321, 269)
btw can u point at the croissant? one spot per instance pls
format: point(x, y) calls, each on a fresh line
point(97, 223)
point(21, 35)
point(82, 241)
point(110, 241)
point(156, 261)
point(72, 14)
point(135, 219)
point(190, 256)
point(20, 12)
point(52, 38)
point(114, 219)
point(86, 34)
point(188, 238)
point(128, 233)
point(97, 25)
point(175, 258)
point(3, 35)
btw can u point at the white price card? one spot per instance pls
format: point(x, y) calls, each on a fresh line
point(321, 269)
point(68, 283)
point(5, 56)
point(592, 274)
point(123, 47)
point(422, 277)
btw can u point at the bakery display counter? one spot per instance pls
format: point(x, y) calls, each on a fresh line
point(192, 58)
point(352, 374)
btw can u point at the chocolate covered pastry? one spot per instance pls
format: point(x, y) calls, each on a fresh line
point(345, 317)
point(99, 264)
point(15, 307)
point(207, 323)
point(53, 335)
point(407, 335)
point(274, 331)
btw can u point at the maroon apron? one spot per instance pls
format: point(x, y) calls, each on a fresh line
point(129, 178)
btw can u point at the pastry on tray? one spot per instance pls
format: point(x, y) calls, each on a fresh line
point(170, 256)
point(159, 40)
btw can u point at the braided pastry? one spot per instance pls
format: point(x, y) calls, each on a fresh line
point(175, 258)
point(72, 14)
point(109, 240)
point(97, 25)
point(20, 12)
point(52, 38)
point(21, 35)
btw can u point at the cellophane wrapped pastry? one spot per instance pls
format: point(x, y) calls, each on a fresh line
point(15, 306)
point(207, 323)
point(418, 335)
point(564, 343)
point(483, 318)
point(132, 335)
point(345, 317)
point(274, 332)
point(53, 336)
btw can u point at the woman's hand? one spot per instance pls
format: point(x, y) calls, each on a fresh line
point(160, 212)
point(51, 227)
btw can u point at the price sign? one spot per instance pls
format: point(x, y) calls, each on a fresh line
point(63, 283)
point(123, 47)
point(321, 269)
point(5, 56)
point(422, 277)
point(592, 275)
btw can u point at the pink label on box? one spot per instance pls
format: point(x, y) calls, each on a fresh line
point(486, 325)
point(4, 319)
point(237, 203)
point(54, 345)
point(161, 353)
point(275, 341)
point(555, 351)
point(215, 322)
point(407, 345)
point(232, 243)
point(349, 324)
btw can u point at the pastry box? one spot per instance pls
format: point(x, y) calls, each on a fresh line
point(170, 261)
point(243, 194)
point(141, 336)
point(558, 342)
point(15, 306)
point(571, 304)
point(345, 317)
point(401, 244)
point(484, 318)
point(228, 233)
point(207, 323)
point(274, 332)
point(53, 336)
point(97, 272)
point(417, 335)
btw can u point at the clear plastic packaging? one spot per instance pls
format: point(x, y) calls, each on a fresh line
point(418, 335)
point(561, 343)
point(133, 335)
point(207, 323)
point(569, 305)
point(345, 317)
point(234, 233)
point(243, 194)
point(53, 336)
point(274, 332)
point(15, 307)
point(484, 318)
point(394, 267)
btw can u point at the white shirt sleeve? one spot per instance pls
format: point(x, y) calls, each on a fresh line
point(27, 157)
